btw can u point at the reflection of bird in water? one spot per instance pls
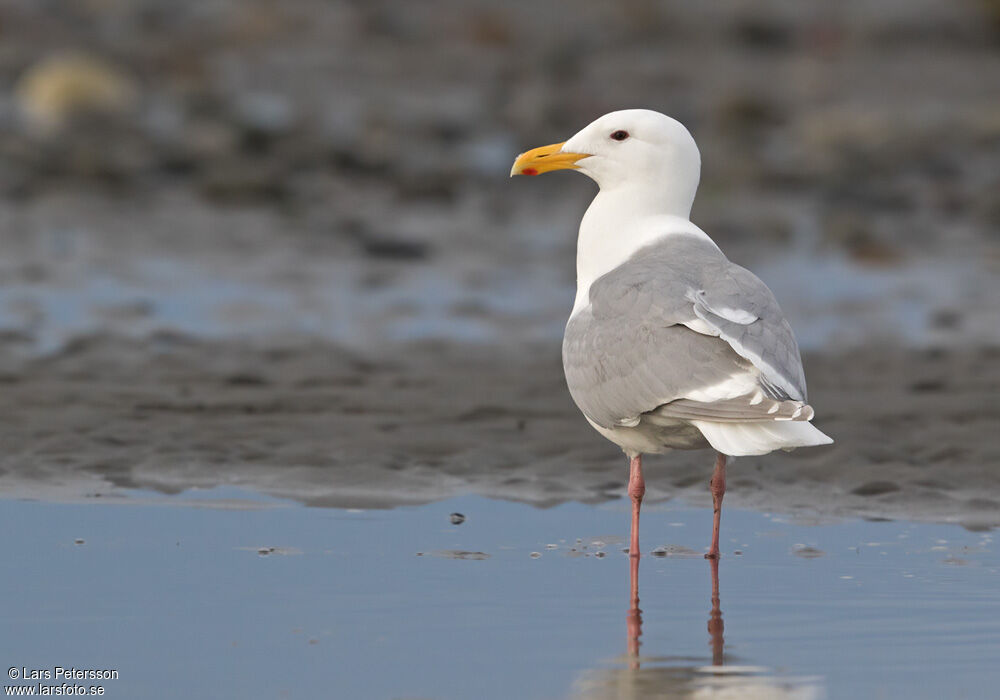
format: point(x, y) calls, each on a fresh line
point(634, 619)
point(653, 678)
point(716, 627)
point(669, 345)
point(634, 625)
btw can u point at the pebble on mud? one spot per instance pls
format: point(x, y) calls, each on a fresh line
point(807, 552)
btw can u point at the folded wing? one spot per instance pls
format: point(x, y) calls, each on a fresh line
point(678, 331)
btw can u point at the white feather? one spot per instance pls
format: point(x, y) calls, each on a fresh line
point(733, 386)
point(740, 439)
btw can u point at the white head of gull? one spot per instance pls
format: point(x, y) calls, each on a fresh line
point(669, 345)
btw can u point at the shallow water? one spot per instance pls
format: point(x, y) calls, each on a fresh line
point(186, 598)
point(831, 301)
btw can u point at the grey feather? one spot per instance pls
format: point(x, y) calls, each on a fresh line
point(737, 410)
point(630, 351)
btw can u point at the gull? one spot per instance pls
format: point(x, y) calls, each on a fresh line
point(669, 344)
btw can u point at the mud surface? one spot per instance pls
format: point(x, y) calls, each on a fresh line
point(915, 430)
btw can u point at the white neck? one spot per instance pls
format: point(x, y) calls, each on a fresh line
point(619, 222)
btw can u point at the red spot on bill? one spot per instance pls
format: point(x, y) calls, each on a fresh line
point(529, 171)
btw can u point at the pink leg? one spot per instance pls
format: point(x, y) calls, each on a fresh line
point(636, 490)
point(718, 488)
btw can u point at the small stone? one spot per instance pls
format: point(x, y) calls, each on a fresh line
point(456, 518)
point(875, 488)
point(807, 552)
point(78, 540)
point(535, 555)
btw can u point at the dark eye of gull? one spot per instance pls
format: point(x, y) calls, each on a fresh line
point(619, 135)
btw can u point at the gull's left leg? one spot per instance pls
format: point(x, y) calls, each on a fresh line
point(636, 490)
point(718, 488)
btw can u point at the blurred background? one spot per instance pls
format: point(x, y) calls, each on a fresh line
point(264, 254)
point(339, 169)
point(241, 235)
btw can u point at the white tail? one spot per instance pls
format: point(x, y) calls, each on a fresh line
point(759, 438)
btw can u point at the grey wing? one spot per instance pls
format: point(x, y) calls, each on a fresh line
point(620, 368)
point(674, 319)
point(742, 310)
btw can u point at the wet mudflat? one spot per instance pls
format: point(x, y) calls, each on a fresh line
point(402, 425)
point(224, 593)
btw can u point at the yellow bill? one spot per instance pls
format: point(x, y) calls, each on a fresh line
point(545, 159)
